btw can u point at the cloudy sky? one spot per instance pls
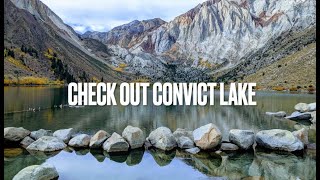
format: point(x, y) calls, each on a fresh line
point(102, 15)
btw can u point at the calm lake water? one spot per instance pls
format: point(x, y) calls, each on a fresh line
point(154, 164)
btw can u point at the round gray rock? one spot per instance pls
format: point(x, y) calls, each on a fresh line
point(134, 136)
point(26, 142)
point(278, 139)
point(38, 134)
point(64, 134)
point(301, 107)
point(162, 138)
point(184, 142)
point(242, 138)
point(13, 134)
point(115, 143)
point(98, 139)
point(47, 144)
point(37, 172)
point(80, 141)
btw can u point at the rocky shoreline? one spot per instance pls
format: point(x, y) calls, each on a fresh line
point(207, 138)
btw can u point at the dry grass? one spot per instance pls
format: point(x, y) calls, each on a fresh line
point(29, 80)
point(17, 63)
point(141, 80)
point(297, 69)
point(278, 88)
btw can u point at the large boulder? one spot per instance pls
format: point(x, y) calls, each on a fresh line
point(47, 144)
point(14, 134)
point(301, 107)
point(242, 138)
point(184, 142)
point(98, 139)
point(278, 139)
point(26, 142)
point(80, 141)
point(207, 137)
point(302, 135)
point(64, 134)
point(134, 136)
point(162, 138)
point(38, 134)
point(115, 143)
point(277, 114)
point(44, 171)
point(312, 107)
point(299, 116)
point(182, 132)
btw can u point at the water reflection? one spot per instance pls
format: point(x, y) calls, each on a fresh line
point(116, 118)
point(154, 164)
point(267, 165)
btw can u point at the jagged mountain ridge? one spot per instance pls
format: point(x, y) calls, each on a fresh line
point(32, 24)
point(212, 39)
point(218, 33)
point(127, 34)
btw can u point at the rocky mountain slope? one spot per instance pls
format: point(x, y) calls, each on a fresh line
point(43, 46)
point(126, 35)
point(218, 40)
point(218, 36)
point(295, 71)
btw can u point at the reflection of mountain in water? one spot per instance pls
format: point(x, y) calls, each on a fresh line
point(232, 165)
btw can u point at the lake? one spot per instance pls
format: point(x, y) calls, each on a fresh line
point(38, 107)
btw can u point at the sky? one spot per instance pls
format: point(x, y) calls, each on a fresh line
point(103, 15)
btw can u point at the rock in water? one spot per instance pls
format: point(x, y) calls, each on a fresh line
point(207, 137)
point(38, 134)
point(312, 107)
point(182, 132)
point(47, 144)
point(37, 172)
point(115, 143)
point(80, 141)
point(299, 116)
point(64, 134)
point(162, 138)
point(26, 142)
point(228, 147)
point(277, 114)
point(278, 139)
point(301, 107)
point(184, 142)
point(302, 135)
point(134, 136)
point(13, 134)
point(194, 150)
point(242, 138)
point(98, 139)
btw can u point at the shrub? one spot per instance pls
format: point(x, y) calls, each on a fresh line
point(279, 88)
point(293, 89)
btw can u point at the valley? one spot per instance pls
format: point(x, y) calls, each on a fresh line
point(218, 40)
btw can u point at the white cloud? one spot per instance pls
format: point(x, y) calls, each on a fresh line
point(102, 15)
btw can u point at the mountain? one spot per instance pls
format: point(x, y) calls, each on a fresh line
point(127, 34)
point(218, 40)
point(42, 45)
